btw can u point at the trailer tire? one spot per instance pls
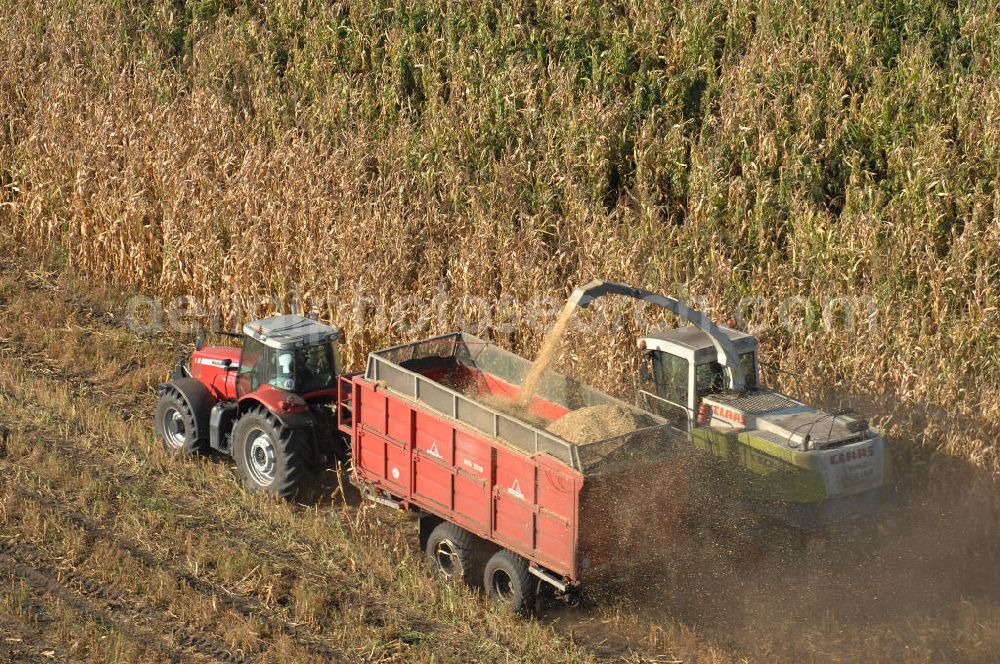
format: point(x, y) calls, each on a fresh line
point(176, 426)
point(508, 581)
point(270, 457)
point(451, 552)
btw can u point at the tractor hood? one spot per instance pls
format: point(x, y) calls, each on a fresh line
point(786, 421)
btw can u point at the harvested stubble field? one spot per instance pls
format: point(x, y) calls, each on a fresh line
point(113, 551)
point(364, 157)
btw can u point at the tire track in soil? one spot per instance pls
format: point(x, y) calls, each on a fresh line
point(244, 605)
point(15, 641)
point(83, 594)
point(15, 645)
point(43, 583)
point(234, 535)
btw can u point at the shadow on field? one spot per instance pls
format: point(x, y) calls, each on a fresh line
point(926, 591)
point(331, 487)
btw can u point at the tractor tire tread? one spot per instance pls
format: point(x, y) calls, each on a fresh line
point(174, 398)
point(465, 543)
point(291, 472)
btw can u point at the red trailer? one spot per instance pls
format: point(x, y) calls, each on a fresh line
point(432, 430)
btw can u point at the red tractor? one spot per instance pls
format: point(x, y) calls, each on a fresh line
point(270, 405)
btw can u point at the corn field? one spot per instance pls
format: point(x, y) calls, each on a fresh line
point(509, 151)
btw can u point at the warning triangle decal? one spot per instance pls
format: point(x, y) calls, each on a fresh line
point(434, 450)
point(515, 488)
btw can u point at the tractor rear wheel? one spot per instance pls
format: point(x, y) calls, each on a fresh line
point(508, 581)
point(270, 457)
point(175, 424)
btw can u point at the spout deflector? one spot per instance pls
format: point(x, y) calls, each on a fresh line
point(584, 295)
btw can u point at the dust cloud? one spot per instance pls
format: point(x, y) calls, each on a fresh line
point(922, 586)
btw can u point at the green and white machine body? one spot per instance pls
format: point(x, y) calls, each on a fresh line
point(805, 467)
point(794, 463)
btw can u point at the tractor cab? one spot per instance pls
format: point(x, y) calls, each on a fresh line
point(291, 353)
point(680, 367)
point(268, 405)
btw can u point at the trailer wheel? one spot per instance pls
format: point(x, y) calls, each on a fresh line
point(270, 457)
point(451, 552)
point(175, 424)
point(508, 581)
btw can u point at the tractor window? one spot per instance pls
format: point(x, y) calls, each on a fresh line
point(710, 376)
point(302, 370)
point(316, 368)
point(671, 375)
point(255, 367)
point(709, 379)
point(282, 370)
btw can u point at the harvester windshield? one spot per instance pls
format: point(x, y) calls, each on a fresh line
point(710, 379)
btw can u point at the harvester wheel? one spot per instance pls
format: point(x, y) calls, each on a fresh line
point(508, 581)
point(454, 553)
point(175, 424)
point(270, 457)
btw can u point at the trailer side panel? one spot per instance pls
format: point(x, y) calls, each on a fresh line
point(526, 503)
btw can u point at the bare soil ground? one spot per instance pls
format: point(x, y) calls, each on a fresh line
point(113, 551)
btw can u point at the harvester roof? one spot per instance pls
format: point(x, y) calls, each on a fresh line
point(696, 342)
point(289, 331)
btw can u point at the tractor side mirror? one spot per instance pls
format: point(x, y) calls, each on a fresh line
point(199, 343)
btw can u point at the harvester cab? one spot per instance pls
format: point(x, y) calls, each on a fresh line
point(798, 465)
point(679, 370)
point(269, 404)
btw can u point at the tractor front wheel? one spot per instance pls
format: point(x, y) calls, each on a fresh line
point(269, 456)
point(175, 424)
